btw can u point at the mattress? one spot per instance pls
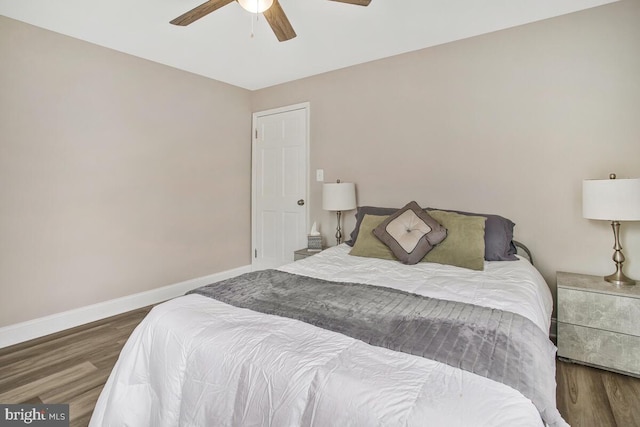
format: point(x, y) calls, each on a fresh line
point(195, 361)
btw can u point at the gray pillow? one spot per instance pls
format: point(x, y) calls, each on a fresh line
point(410, 233)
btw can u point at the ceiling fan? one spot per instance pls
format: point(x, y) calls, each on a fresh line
point(271, 10)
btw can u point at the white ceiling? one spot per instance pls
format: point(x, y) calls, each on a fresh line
point(331, 35)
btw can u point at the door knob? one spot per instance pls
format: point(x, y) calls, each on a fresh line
point(301, 202)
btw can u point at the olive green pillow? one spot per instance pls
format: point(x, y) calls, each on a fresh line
point(463, 247)
point(367, 244)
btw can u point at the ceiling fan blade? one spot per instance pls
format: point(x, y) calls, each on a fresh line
point(198, 12)
point(357, 2)
point(279, 22)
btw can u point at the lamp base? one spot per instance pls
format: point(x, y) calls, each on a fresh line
point(619, 279)
point(339, 229)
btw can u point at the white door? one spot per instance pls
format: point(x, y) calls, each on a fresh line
point(279, 185)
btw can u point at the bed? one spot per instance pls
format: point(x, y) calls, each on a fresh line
point(203, 360)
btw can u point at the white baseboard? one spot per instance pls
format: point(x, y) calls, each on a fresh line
point(25, 331)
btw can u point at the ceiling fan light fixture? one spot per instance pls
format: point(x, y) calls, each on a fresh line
point(255, 6)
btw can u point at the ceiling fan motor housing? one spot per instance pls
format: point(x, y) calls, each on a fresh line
point(256, 6)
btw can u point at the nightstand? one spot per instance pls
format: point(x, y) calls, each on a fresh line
point(304, 253)
point(599, 323)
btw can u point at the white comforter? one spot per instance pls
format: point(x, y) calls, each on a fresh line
point(195, 361)
point(514, 286)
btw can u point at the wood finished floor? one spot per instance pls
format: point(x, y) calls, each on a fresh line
point(67, 367)
point(72, 367)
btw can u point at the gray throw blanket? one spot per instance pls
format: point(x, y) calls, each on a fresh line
point(495, 344)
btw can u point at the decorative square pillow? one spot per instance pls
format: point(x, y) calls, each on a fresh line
point(410, 233)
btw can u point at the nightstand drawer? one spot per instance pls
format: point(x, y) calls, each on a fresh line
point(606, 349)
point(608, 312)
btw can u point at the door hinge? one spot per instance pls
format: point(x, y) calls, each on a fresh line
point(256, 133)
point(255, 253)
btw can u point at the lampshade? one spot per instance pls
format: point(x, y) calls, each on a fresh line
point(256, 6)
point(339, 196)
point(611, 199)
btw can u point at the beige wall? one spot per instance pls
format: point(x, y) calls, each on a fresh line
point(508, 123)
point(117, 175)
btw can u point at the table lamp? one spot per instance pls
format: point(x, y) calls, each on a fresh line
point(338, 197)
point(614, 200)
